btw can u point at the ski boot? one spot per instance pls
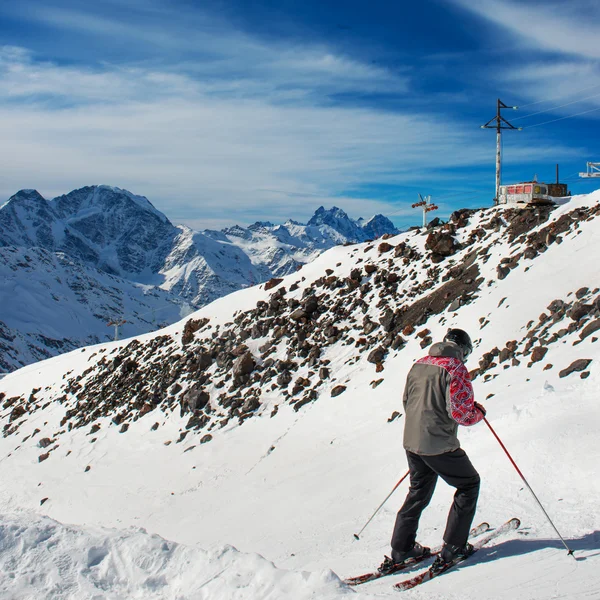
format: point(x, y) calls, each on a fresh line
point(449, 555)
point(398, 559)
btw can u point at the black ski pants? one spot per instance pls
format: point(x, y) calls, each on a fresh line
point(456, 470)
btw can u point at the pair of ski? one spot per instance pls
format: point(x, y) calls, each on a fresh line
point(480, 542)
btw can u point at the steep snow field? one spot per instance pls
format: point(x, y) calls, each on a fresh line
point(268, 509)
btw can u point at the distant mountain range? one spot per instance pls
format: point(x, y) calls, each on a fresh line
point(100, 254)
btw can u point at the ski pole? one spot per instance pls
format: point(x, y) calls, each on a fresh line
point(356, 535)
point(514, 464)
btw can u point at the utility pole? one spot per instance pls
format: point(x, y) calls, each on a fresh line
point(499, 123)
point(427, 206)
point(116, 324)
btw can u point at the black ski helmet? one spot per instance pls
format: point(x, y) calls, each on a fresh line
point(461, 339)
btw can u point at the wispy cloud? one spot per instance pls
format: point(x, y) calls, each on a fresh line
point(197, 154)
point(223, 126)
point(565, 27)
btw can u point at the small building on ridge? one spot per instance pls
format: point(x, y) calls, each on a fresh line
point(532, 192)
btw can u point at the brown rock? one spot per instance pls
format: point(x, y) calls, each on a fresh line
point(538, 353)
point(577, 365)
point(337, 390)
point(579, 310)
point(275, 281)
point(377, 355)
point(590, 328)
point(298, 315)
point(244, 365)
point(441, 243)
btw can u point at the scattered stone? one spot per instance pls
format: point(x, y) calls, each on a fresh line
point(337, 390)
point(502, 271)
point(426, 341)
point(579, 310)
point(190, 329)
point(589, 329)
point(377, 355)
point(244, 365)
point(274, 282)
point(577, 365)
point(538, 353)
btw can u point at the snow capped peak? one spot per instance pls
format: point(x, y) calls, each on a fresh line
point(25, 196)
point(377, 226)
point(261, 225)
point(358, 230)
point(105, 198)
point(332, 216)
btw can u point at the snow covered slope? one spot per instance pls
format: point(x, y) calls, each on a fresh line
point(268, 421)
point(103, 233)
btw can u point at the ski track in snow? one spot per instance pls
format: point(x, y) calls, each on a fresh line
point(233, 519)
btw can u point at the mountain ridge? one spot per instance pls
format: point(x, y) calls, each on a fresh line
point(107, 230)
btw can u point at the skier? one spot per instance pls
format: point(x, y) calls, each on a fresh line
point(437, 398)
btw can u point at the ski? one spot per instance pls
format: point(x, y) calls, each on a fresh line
point(360, 579)
point(480, 543)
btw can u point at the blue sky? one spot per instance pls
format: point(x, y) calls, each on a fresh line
point(237, 111)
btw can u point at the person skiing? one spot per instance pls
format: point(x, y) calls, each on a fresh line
point(437, 398)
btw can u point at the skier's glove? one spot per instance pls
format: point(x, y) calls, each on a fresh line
point(479, 407)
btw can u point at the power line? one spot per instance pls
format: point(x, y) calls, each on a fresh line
point(539, 112)
point(585, 112)
point(560, 96)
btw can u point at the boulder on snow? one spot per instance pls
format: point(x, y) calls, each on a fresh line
point(538, 353)
point(590, 328)
point(577, 365)
point(377, 355)
point(337, 390)
point(275, 281)
point(441, 242)
point(244, 365)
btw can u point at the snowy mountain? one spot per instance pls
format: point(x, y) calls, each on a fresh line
point(119, 252)
point(234, 453)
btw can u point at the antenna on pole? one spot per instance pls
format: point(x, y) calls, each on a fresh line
point(116, 324)
point(499, 123)
point(426, 205)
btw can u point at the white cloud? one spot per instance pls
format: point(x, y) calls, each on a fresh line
point(565, 27)
point(205, 148)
